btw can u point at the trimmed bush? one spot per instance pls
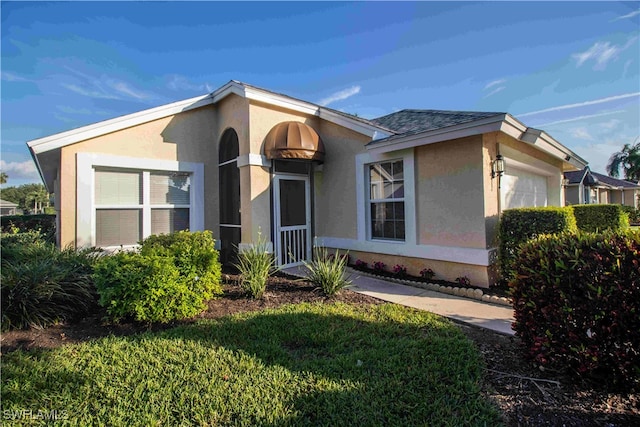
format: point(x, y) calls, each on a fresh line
point(195, 256)
point(517, 226)
point(255, 265)
point(327, 271)
point(42, 285)
point(596, 218)
point(170, 278)
point(577, 304)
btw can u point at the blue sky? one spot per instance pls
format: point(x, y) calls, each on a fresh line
point(572, 69)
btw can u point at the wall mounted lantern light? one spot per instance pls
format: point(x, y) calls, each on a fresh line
point(497, 168)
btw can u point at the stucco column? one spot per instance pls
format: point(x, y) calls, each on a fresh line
point(255, 202)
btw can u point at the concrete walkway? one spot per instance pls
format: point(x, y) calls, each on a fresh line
point(497, 318)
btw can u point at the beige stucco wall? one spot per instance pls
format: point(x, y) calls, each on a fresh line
point(187, 137)
point(335, 201)
point(449, 193)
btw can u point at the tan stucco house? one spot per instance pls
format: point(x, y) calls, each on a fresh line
point(416, 187)
point(587, 187)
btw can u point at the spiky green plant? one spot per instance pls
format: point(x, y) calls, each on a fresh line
point(255, 264)
point(46, 285)
point(327, 271)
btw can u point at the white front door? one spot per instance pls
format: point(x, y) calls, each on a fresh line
point(292, 217)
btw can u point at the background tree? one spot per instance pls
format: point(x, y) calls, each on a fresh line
point(628, 159)
point(3, 177)
point(27, 196)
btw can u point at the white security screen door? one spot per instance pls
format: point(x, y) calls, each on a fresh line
point(292, 215)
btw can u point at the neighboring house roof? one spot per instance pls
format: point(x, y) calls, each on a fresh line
point(614, 182)
point(414, 121)
point(589, 178)
point(7, 204)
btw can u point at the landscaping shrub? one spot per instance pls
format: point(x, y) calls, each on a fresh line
point(171, 277)
point(42, 285)
point(43, 223)
point(577, 304)
point(632, 213)
point(595, 218)
point(519, 225)
point(195, 256)
point(327, 271)
point(255, 265)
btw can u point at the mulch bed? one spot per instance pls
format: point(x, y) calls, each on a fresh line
point(525, 395)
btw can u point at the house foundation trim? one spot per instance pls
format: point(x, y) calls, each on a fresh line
point(472, 256)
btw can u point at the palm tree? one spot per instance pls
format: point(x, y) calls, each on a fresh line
point(3, 177)
point(628, 159)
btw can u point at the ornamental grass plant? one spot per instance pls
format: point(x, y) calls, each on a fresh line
point(255, 264)
point(327, 271)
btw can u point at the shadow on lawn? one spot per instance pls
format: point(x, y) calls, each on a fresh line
point(346, 366)
point(396, 373)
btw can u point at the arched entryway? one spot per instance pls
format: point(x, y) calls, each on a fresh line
point(292, 147)
point(229, 192)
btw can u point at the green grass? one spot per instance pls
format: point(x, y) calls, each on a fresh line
point(306, 364)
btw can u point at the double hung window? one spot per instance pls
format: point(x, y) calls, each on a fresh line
point(132, 204)
point(386, 200)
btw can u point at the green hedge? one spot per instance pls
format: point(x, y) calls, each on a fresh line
point(44, 223)
point(577, 304)
point(517, 226)
point(171, 277)
point(595, 218)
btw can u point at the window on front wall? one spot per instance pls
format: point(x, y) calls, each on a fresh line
point(386, 200)
point(130, 205)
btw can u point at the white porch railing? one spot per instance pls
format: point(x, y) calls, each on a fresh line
point(294, 245)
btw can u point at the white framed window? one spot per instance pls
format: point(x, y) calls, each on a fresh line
point(386, 200)
point(122, 200)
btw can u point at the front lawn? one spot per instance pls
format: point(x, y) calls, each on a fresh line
point(304, 364)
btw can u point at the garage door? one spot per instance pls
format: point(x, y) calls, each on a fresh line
point(521, 189)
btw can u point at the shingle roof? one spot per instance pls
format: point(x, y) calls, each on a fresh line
point(614, 181)
point(594, 178)
point(574, 177)
point(415, 121)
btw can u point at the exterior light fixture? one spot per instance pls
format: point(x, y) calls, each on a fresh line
point(497, 168)
point(565, 182)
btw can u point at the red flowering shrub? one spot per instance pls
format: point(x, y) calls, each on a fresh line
point(577, 304)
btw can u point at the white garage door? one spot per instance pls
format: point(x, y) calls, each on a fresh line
point(521, 189)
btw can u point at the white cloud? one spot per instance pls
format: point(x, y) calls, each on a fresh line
point(611, 124)
point(10, 77)
point(601, 53)
point(104, 87)
point(581, 133)
point(88, 92)
point(340, 95)
point(125, 89)
point(575, 119)
point(582, 104)
point(494, 83)
point(496, 90)
point(627, 16)
point(182, 83)
point(19, 170)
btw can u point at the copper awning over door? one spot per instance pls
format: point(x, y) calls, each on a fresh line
point(293, 141)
